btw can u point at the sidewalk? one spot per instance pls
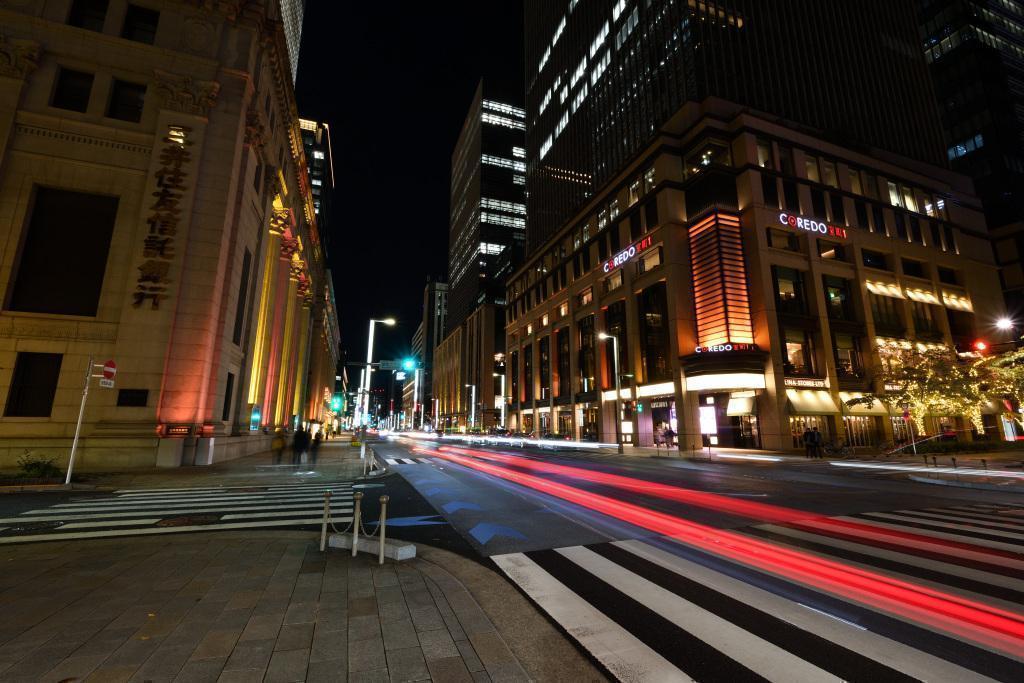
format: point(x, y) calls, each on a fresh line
point(260, 606)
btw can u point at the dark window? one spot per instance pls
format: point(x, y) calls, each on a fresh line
point(924, 320)
point(229, 388)
point(862, 215)
point(140, 24)
point(847, 353)
point(914, 268)
point(126, 101)
point(961, 323)
point(818, 203)
point(132, 398)
point(916, 235)
point(874, 259)
point(585, 329)
point(528, 373)
point(651, 213)
point(786, 161)
point(602, 250)
point(243, 291)
point(936, 235)
point(63, 253)
point(791, 196)
point(514, 366)
point(948, 276)
point(831, 250)
point(562, 362)
point(837, 298)
point(654, 334)
point(770, 189)
point(885, 312)
point(798, 353)
point(949, 239)
point(88, 14)
point(789, 290)
point(615, 324)
point(33, 384)
point(901, 224)
point(72, 90)
point(635, 226)
point(614, 238)
point(544, 367)
point(838, 209)
point(878, 219)
point(783, 239)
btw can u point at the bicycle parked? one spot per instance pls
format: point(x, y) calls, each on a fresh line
point(838, 450)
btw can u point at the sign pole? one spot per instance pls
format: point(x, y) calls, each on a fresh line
point(78, 426)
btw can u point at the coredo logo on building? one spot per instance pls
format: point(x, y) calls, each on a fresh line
point(811, 225)
point(626, 254)
point(724, 348)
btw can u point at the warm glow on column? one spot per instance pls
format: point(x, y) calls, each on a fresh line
point(719, 281)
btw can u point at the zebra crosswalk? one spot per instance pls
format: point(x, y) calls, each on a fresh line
point(408, 461)
point(137, 512)
point(664, 610)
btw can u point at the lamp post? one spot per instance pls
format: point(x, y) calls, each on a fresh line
point(472, 405)
point(437, 413)
point(618, 388)
point(502, 376)
point(363, 404)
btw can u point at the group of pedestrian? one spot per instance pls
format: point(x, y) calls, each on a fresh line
point(303, 442)
point(814, 443)
point(665, 435)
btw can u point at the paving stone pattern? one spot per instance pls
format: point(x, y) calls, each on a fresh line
point(237, 607)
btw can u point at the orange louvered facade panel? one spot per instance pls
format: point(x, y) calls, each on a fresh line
point(719, 281)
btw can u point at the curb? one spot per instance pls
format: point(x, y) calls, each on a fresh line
point(45, 488)
point(966, 485)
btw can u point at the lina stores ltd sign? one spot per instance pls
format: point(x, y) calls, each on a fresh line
point(811, 225)
point(626, 254)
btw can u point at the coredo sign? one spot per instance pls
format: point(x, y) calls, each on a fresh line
point(811, 225)
point(626, 254)
point(729, 346)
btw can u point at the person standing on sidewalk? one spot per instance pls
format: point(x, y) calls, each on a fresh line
point(808, 443)
point(818, 439)
point(300, 443)
point(314, 450)
point(277, 446)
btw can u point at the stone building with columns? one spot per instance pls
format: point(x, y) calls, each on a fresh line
point(155, 210)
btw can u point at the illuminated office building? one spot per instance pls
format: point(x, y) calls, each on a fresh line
point(750, 271)
point(602, 76)
point(316, 140)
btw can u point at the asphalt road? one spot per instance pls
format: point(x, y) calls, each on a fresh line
point(664, 569)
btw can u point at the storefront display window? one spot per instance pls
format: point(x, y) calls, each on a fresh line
point(799, 357)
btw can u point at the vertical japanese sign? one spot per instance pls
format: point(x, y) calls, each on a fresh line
point(163, 218)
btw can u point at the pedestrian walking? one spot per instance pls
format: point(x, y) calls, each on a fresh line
point(818, 439)
point(670, 437)
point(277, 446)
point(300, 443)
point(808, 443)
point(314, 449)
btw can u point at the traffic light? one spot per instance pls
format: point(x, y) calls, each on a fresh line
point(980, 346)
point(409, 364)
point(336, 402)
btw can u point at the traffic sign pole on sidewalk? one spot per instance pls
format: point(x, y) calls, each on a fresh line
point(109, 369)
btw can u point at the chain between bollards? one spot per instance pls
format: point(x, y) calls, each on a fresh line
point(383, 527)
point(356, 520)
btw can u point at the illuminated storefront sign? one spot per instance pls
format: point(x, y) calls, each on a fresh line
point(806, 382)
point(811, 225)
point(720, 348)
point(626, 254)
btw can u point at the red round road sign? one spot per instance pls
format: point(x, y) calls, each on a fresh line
point(109, 369)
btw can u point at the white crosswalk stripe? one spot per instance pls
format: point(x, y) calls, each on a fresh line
point(660, 609)
point(408, 461)
point(138, 512)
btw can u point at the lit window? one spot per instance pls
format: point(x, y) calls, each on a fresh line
point(648, 180)
point(587, 296)
point(503, 121)
point(563, 310)
point(634, 192)
point(502, 162)
point(811, 165)
point(317, 154)
point(544, 320)
point(316, 181)
point(519, 152)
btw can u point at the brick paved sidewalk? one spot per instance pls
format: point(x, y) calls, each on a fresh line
point(238, 607)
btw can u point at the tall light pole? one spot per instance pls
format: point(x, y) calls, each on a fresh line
point(472, 405)
point(363, 404)
point(618, 387)
point(498, 374)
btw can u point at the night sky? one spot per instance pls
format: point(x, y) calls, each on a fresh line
point(394, 81)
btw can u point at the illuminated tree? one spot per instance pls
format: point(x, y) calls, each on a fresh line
point(935, 381)
point(1006, 373)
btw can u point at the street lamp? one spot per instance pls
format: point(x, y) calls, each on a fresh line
point(363, 404)
point(502, 376)
point(1004, 324)
point(618, 389)
point(472, 406)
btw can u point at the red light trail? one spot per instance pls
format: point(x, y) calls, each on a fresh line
point(983, 624)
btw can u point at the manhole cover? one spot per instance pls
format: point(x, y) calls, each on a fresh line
point(32, 526)
point(189, 520)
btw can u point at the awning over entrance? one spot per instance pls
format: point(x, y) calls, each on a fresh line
point(740, 405)
point(810, 402)
point(875, 408)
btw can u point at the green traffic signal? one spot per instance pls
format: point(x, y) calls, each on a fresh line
point(409, 364)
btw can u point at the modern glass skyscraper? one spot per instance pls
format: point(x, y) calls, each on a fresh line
point(292, 13)
point(316, 140)
point(603, 75)
point(488, 211)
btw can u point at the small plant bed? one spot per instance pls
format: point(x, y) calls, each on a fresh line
point(34, 471)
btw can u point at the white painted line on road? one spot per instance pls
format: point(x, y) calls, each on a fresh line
point(933, 470)
point(149, 531)
point(746, 648)
point(112, 522)
point(168, 513)
point(228, 496)
point(1002, 522)
point(943, 524)
point(298, 513)
point(622, 653)
point(961, 538)
point(122, 505)
point(227, 489)
point(766, 458)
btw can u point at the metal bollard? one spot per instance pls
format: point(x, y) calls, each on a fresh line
point(935, 461)
point(327, 519)
point(953, 458)
point(984, 463)
point(383, 526)
point(358, 497)
point(925, 460)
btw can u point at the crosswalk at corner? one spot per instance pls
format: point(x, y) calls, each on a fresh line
point(660, 609)
point(140, 512)
point(408, 461)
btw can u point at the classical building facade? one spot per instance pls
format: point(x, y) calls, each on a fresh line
point(750, 272)
point(156, 211)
